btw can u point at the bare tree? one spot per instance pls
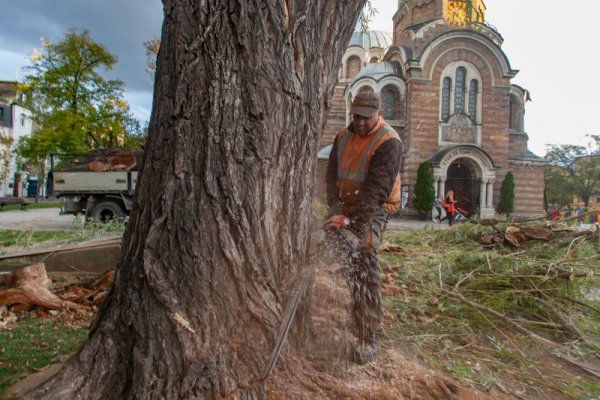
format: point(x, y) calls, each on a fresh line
point(221, 222)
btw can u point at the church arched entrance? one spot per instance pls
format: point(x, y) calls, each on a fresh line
point(463, 178)
point(470, 173)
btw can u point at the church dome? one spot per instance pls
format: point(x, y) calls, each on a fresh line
point(379, 70)
point(370, 39)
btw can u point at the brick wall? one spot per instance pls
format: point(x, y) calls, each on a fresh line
point(517, 145)
point(423, 10)
point(529, 188)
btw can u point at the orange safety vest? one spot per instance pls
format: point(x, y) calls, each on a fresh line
point(354, 153)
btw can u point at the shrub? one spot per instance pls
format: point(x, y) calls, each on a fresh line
point(424, 193)
point(507, 195)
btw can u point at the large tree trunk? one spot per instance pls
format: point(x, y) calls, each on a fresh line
point(221, 223)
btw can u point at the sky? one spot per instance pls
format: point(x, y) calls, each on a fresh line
point(552, 43)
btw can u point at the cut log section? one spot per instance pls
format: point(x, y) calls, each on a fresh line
point(30, 286)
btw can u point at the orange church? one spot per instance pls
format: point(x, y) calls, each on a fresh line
point(445, 84)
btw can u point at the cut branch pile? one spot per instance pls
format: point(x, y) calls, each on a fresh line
point(466, 293)
point(515, 235)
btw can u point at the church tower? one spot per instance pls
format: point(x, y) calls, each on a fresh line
point(445, 84)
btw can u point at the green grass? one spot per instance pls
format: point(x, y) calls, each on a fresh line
point(27, 238)
point(45, 204)
point(31, 240)
point(32, 345)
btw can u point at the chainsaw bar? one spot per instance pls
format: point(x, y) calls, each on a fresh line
point(286, 323)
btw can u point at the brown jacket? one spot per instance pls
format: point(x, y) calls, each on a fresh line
point(380, 186)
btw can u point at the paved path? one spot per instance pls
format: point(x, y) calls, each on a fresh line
point(49, 219)
point(397, 224)
point(39, 219)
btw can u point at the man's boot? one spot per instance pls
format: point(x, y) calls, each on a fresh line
point(366, 352)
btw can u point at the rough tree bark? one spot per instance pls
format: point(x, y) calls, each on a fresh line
point(221, 223)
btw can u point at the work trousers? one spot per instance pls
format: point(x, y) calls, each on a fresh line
point(361, 270)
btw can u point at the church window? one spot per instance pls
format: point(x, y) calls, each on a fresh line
point(515, 114)
point(473, 89)
point(459, 90)
point(446, 98)
point(353, 67)
point(22, 119)
point(389, 104)
point(374, 60)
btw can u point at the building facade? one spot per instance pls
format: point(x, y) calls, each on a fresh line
point(445, 85)
point(15, 123)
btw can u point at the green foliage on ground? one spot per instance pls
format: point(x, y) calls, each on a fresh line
point(32, 344)
point(14, 207)
point(507, 195)
point(549, 288)
point(424, 193)
point(26, 239)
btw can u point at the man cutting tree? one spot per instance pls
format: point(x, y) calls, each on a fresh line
point(363, 189)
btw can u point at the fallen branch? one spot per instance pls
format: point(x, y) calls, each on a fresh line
point(502, 317)
point(583, 365)
point(565, 322)
point(581, 303)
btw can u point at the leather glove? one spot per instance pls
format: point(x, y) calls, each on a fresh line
point(337, 221)
point(366, 239)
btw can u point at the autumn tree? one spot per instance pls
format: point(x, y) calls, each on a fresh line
point(152, 46)
point(558, 187)
point(74, 107)
point(221, 222)
point(578, 167)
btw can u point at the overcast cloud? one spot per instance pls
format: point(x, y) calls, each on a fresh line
point(120, 25)
point(551, 42)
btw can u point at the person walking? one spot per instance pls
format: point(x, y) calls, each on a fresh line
point(450, 207)
point(363, 189)
point(437, 204)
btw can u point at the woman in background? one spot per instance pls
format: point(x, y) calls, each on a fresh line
point(450, 208)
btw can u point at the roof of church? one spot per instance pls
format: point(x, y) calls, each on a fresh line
point(370, 39)
point(530, 155)
point(379, 70)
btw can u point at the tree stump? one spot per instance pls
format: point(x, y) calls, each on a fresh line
point(30, 286)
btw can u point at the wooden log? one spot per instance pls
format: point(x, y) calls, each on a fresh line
point(514, 236)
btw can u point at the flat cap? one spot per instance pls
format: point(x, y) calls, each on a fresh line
point(365, 103)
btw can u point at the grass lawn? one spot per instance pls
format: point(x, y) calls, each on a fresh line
point(14, 207)
point(25, 238)
point(30, 238)
point(31, 345)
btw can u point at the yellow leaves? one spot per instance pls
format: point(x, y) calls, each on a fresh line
point(35, 56)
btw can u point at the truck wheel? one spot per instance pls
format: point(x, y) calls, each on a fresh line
point(107, 210)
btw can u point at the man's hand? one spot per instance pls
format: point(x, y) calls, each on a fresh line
point(366, 239)
point(337, 222)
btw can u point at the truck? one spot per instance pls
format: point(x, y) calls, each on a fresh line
point(101, 187)
point(100, 196)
